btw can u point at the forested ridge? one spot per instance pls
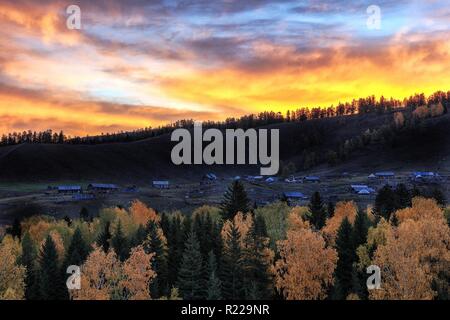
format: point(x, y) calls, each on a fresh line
point(366, 105)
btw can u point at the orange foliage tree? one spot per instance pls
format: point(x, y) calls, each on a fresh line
point(344, 209)
point(305, 269)
point(242, 222)
point(142, 214)
point(415, 253)
point(104, 277)
point(137, 275)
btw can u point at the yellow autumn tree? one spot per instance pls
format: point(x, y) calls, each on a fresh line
point(99, 276)
point(296, 219)
point(344, 209)
point(415, 253)
point(305, 268)
point(104, 277)
point(421, 208)
point(242, 222)
point(213, 212)
point(12, 275)
point(137, 275)
point(39, 231)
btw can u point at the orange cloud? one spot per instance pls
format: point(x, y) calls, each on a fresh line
point(22, 110)
point(320, 78)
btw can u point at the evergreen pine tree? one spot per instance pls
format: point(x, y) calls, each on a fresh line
point(359, 237)
point(119, 243)
point(187, 227)
point(16, 229)
point(330, 209)
point(260, 227)
point(403, 197)
point(190, 271)
point(104, 238)
point(235, 200)
point(257, 282)
point(78, 250)
point(346, 257)
point(175, 239)
point(28, 259)
point(360, 229)
point(214, 285)
point(159, 286)
point(217, 243)
point(203, 228)
point(231, 267)
point(84, 214)
point(415, 192)
point(385, 202)
point(318, 212)
point(165, 223)
point(139, 236)
point(437, 195)
point(51, 283)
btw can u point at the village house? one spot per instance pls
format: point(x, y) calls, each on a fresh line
point(385, 175)
point(102, 187)
point(271, 179)
point(294, 198)
point(361, 189)
point(314, 179)
point(161, 184)
point(69, 189)
point(424, 177)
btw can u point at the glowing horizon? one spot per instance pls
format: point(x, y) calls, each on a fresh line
point(146, 64)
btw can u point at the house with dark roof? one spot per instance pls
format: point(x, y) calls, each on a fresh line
point(361, 189)
point(69, 189)
point(102, 187)
point(294, 198)
point(312, 179)
point(385, 175)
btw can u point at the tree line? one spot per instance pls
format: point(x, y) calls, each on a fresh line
point(356, 106)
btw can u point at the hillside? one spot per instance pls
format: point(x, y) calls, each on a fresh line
point(427, 147)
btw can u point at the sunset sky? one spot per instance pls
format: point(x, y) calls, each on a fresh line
point(143, 63)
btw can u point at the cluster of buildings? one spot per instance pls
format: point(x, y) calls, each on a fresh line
point(293, 197)
point(92, 190)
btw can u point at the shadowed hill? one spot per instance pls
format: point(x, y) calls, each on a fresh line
point(150, 158)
